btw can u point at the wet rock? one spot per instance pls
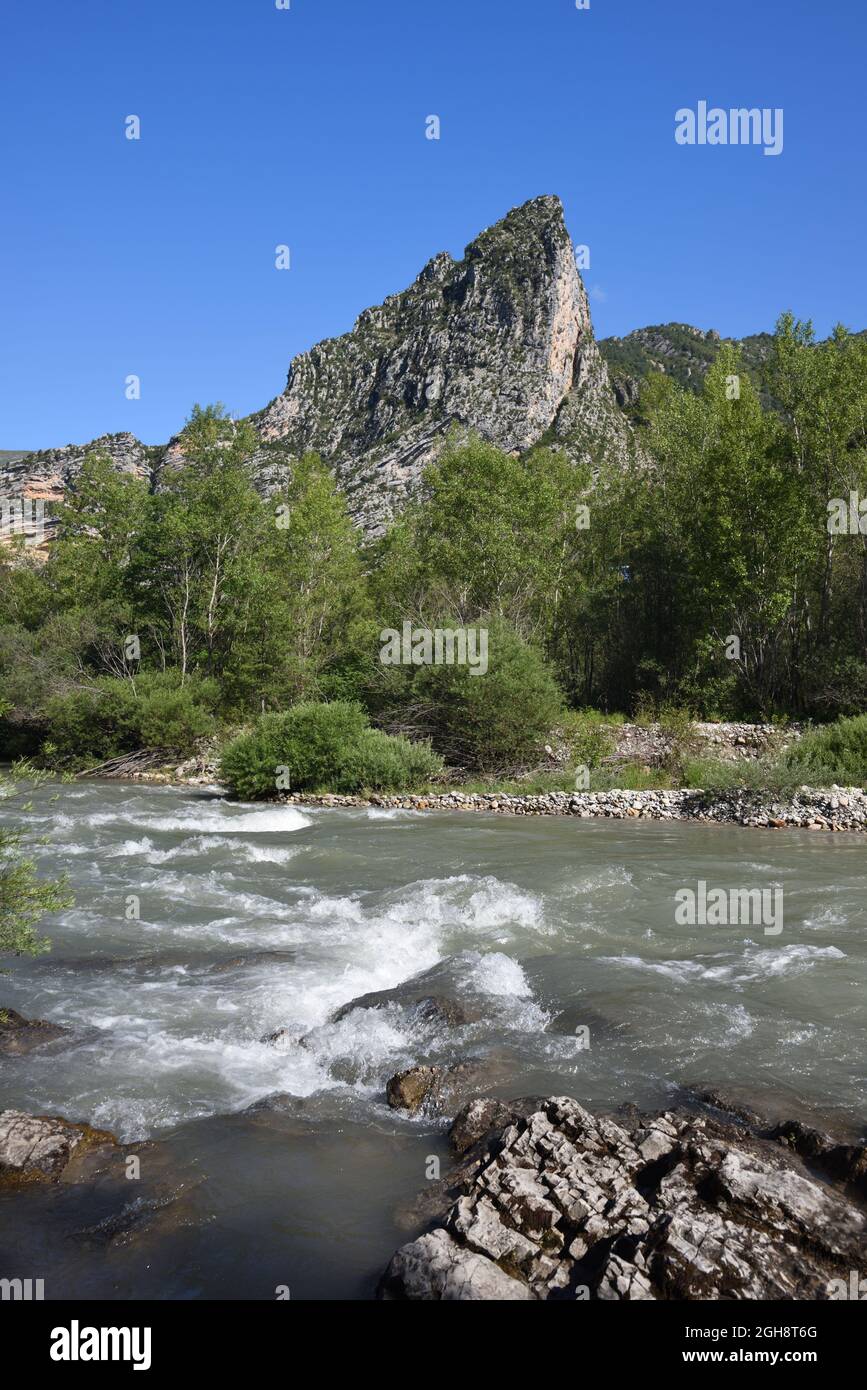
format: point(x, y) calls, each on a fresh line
point(19, 1035)
point(670, 1206)
point(280, 1035)
point(433, 1090)
point(845, 1162)
point(436, 1006)
point(408, 1090)
point(39, 1148)
point(482, 1116)
point(431, 1007)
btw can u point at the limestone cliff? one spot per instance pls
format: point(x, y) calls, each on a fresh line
point(499, 344)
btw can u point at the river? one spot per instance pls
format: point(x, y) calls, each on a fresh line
point(558, 936)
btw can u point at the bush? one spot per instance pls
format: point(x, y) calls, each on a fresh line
point(111, 716)
point(589, 737)
point(323, 747)
point(385, 762)
point(497, 722)
point(833, 753)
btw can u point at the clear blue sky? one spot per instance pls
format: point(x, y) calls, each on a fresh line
point(306, 127)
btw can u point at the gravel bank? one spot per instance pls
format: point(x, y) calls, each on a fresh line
point(836, 808)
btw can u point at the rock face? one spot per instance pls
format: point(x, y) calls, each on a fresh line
point(38, 1148)
point(562, 1204)
point(48, 473)
point(498, 344)
point(45, 476)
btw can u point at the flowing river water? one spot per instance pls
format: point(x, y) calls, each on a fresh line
point(278, 1165)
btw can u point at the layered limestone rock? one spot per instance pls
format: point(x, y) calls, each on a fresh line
point(47, 474)
point(39, 479)
point(39, 1148)
point(497, 344)
point(557, 1203)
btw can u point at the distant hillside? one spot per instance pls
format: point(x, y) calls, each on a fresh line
point(680, 351)
point(677, 349)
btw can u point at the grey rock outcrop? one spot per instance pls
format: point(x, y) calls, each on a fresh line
point(497, 344)
point(47, 473)
point(569, 1205)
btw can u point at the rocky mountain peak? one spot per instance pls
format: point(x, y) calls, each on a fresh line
point(490, 344)
point(498, 343)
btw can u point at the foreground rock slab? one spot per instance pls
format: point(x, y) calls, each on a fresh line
point(563, 1204)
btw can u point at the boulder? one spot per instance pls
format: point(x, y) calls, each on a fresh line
point(431, 1090)
point(432, 1007)
point(408, 1090)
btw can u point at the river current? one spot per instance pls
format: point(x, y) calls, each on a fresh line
point(202, 926)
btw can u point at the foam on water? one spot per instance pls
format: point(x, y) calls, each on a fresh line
point(221, 817)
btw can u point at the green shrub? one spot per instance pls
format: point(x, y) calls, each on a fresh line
point(94, 723)
point(834, 753)
point(385, 762)
point(323, 747)
point(109, 716)
point(588, 737)
point(492, 723)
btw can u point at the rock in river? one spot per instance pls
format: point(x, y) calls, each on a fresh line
point(38, 1148)
point(563, 1204)
point(19, 1035)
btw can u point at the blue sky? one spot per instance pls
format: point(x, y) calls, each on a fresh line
point(306, 127)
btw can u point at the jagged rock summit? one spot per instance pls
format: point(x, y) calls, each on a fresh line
point(498, 344)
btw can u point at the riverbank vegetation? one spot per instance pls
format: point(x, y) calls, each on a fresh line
point(703, 581)
point(24, 898)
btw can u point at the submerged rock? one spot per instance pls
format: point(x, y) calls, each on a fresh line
point(38, 1148)
point(19, 1035)
point(430, 1007)
point(567, 1205)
